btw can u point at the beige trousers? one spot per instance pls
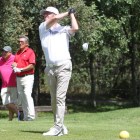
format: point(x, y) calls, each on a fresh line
point(58, 80)
point(24, 87)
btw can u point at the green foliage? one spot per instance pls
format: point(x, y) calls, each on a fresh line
point(13, 24)
point(3, 114)
point(117, 45)
point(80, 81)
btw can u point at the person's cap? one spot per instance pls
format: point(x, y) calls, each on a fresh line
point(7, 49)
point(49, 9)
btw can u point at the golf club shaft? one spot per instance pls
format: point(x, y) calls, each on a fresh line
point(18, 116)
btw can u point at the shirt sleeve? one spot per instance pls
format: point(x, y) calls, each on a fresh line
point(32, 58)
point(42, 29)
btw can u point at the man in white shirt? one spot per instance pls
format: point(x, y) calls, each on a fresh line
point(55, 44)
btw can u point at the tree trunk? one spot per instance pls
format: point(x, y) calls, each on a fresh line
point(135, 99)
point(132, 51)
point(93, 101)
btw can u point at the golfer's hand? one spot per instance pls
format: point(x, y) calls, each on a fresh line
point(72, 10)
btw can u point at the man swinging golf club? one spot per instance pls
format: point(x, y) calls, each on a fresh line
point(55, 44)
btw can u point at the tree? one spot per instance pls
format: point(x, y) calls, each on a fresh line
point(111, 28)
point(127, 12)
point(11, 23)
point(22, 17)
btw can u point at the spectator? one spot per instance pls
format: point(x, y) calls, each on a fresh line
point(8, 88)
point(23, 66)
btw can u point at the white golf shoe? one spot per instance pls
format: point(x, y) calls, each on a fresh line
point(64, 130)
point(53, 132)
point(60, 134)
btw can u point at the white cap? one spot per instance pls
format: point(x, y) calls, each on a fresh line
point(49, 9)
point(85, 46)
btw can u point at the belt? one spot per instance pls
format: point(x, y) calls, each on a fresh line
point(57, 64)
point(25, 75)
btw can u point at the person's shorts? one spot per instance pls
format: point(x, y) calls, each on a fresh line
point(9, 95)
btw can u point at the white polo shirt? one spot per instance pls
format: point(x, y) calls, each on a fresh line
point(55, 43)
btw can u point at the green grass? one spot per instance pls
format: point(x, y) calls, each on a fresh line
point(83, 121)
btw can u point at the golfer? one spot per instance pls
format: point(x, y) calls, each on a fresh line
point(8, 89)
point(55, 44)
point(23, 66)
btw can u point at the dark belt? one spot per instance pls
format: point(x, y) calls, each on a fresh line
point(25, 75)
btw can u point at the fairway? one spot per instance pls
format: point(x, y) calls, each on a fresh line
point(82, 125)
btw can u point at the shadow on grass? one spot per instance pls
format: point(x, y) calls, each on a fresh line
point(75, 107)
point(100, 107)
point(83, 107)
point(41, 132)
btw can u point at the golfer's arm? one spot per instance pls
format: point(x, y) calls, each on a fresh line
point(27, 68)
point(74, 25)
point(55, 19)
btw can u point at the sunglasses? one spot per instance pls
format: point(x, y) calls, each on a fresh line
point(21, 41)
